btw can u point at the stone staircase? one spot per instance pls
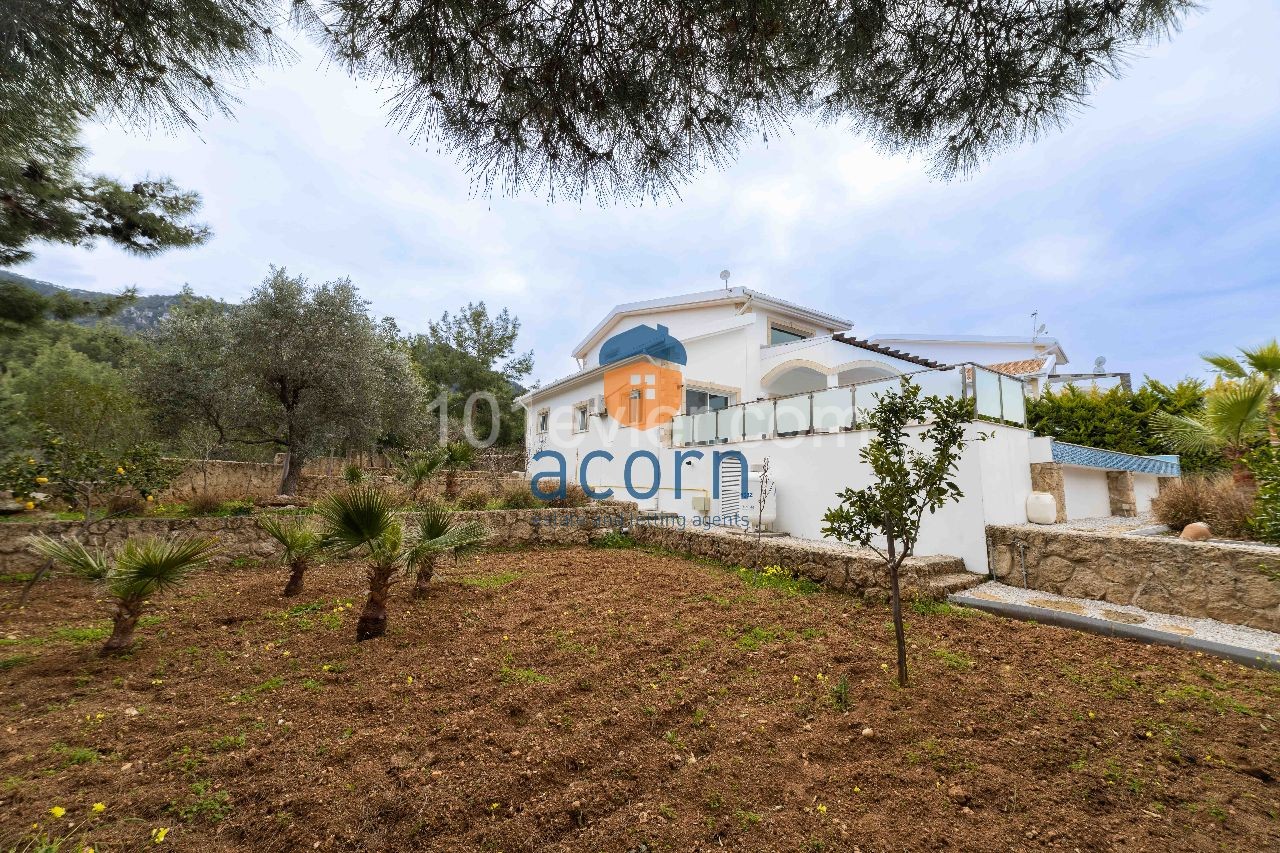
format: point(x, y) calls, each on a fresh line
point(942, 575)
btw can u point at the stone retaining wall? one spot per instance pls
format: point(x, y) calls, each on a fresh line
point(853, 570)
point(1231, 583)
point(261, 480)
point(241, 537)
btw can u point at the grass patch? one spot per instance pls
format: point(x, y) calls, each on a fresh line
point(614, 539)
point(492, 581)
point(75, 755)
point(206, 803)
point(955, 660)
point(227, 743)
point(941, 607)
point(756, 636)
point(270, 685)
point(14, 661)
point(778, 578)
point(1215, 700)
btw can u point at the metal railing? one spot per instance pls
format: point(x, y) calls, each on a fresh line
point(996, 397)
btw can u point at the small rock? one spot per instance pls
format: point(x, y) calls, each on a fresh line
point(958, 795)
point(1196, 531)
point(867, 732)
point(131, 711)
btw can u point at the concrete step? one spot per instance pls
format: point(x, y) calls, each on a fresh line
point(953, 582)
point(935, 565)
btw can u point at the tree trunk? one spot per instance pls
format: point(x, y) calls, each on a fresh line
point(124, 622)
point(898, 631)
point(296, 573)
point(450, 484)
point(293, 462)
point(373, 618)
point(422, 582)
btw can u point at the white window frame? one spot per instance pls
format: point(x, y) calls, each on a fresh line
point(584, 424)
point(705, 388)
point(542, 422)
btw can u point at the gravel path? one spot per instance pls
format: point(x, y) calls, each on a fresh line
point(1253, 639)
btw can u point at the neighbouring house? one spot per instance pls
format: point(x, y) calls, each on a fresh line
point(680, 402)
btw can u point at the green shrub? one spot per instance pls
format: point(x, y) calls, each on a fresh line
point(1265, 523)
point(473, 499)
point(614, 539)
point(353, 474)
point(1217, 500)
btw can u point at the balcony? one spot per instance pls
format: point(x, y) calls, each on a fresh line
point(996, 397)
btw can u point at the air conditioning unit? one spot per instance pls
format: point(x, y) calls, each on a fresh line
point(595, 406)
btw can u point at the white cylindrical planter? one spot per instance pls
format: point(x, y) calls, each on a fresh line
point(1042, 508)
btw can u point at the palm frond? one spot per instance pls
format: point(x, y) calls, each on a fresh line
point(417, 468)
point(72, 555)
point(440, 532)
point(297, 538)
point(359, 517)
point(1237, 411)
point(1185, 434)
point(147, 566)
point(1264, 359)
point(459, 454)
point(1226, 365)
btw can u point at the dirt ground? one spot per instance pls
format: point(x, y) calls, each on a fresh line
point(616, 700)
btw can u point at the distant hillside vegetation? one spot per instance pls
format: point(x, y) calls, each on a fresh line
point(143, 314)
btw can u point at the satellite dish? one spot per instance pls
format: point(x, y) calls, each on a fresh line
point(724, 276)
point(1040, 331)
point(1099, 363)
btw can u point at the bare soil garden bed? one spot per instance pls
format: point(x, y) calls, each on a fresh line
point(614, 699)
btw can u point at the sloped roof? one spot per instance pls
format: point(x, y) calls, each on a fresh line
point(1023, 367)
point(732, 296)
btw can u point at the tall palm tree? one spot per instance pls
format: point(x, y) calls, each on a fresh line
point(1233, 421)
point(301, 546)
point(458, 456)
point(439, 533)
point(419, 467)
point(362, 520)
point(1262, 363)
point(140, 569)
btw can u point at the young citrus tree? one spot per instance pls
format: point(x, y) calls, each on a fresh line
point(139, 570)
point(362, 521)
point(301, 547)
point(439, 533)
point(912, 473)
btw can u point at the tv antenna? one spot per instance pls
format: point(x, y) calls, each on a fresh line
point(724, 276)
point(1037, 328)
point(1099, 363)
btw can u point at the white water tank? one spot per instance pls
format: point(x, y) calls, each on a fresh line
point(1042, 508)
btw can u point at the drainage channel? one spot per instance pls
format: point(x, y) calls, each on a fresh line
point(1107, 628)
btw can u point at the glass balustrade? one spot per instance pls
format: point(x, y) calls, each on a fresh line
point(996, 397)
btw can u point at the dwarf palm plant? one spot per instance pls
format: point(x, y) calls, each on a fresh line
point(362, 521)
point(1233, 421)
point(1261, 363)
point(139, 570)
point(419, 467)
point(301, 546)
point(458, 456)
point(439, 533)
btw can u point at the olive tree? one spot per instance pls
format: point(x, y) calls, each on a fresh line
point(298, 367)
point(912, 473)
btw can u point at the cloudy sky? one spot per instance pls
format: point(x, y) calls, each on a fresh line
point(1147, 231)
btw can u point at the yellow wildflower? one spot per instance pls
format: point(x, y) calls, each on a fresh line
point(30, 505)
point(99, 808)
point(57, 811)
point(822, 809)
point(158, 834)
point(408, 679)
point(42, 480)
point(150, 498)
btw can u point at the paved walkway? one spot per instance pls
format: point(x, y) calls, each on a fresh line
point(1248, 641)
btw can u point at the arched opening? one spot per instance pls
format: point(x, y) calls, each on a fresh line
point(794, 377)
point(865, 371)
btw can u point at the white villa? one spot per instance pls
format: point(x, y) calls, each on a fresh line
point(674, 395)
